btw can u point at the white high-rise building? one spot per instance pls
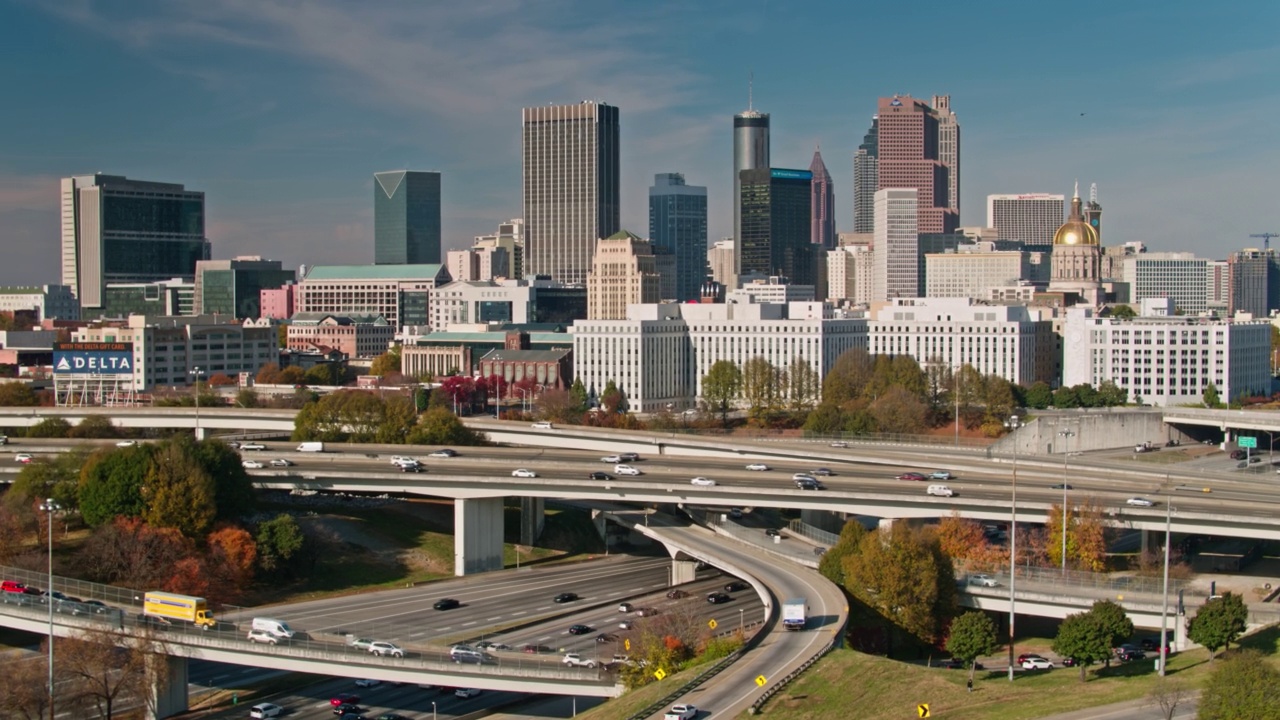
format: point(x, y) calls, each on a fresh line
point(849, 272)
point(973, 270)
point(623, 272)
point(896, 244)
point(720, 261)
point(1179, 276)
point(1031, 218)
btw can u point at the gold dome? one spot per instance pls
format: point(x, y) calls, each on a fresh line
point(1075, 232)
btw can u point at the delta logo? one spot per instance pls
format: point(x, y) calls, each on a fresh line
point(93, 363)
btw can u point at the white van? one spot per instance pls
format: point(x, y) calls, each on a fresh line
point(279, 628)
point(543, 426)
point(940, 491)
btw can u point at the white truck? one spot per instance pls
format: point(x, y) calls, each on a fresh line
point(794, 614)
point(311, 447)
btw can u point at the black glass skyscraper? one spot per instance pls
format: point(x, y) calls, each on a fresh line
point(678, 222)
point(777, 223)
point(406, 218)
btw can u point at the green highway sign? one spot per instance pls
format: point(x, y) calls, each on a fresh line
point(1247, 442)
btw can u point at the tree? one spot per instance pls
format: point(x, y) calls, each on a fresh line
point(1169, 693)
point(24, 693)
point(721, 386)
point(760, 381)
point(848, 377)
point(1241, 688)
point(1111, 395)
point(960, 538)
point(280, 544)
point(268, 374)
point(222, 380)
point(1089, 545)
point(1039, 395)
point(57, 478)
point(17, 394)
point(611, 400)
point(53, 427)
point(327, 374)
point(439, 426)
point(247, 398)
point(1123, 312)
point(292, 375)
point(826, 419)
point(1218, 623)
point(460, 389)
point(559, 406)
point(1113, 621)
point(111, 484)
point(1085, 637)
point(903, 575)
point(832, 563)
point(803, 385)
point(129, 552)
point(1211, 398)
point(386, 363)
point(1065, 397)
point(94, 426)
point(899, 411)
point(233, 491)
point(997, 398)
point(178, 492)
point(101, 671)
point(973, 635)
point(578, 393)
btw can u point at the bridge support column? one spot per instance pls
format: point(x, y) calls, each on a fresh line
point(683, 571)
point(169, 688)
point(886, 524)
point(477, 535)
point(533, 517)
point(202, 433)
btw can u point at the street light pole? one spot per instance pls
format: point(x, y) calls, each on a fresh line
point(1013, 424)
point(196, 371)
point(1066, 439)
point(1164, 609)
point(957, 394)
point(433, 710)
point(50, 506)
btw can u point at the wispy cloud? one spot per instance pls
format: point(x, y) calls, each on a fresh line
point(1225, 68)
point(28, 192)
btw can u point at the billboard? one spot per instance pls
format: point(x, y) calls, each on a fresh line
point(93, 358)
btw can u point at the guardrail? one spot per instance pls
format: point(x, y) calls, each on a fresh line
point(699, 679)
point(784, 682)
point(816, 534)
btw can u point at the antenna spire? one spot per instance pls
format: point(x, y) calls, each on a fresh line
point(751, 82)
point(1076, 192)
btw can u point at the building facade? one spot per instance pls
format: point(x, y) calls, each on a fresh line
point(866, 180)
point(278, 303)
point(949, 149)
point(399, 293)
point(49, 302)
point(776, 225)
point(474, 302)
point(571, 184)
point(907, 145)
point(849, 274)
point(1179, 276)
point(117, 230)
point(1029, 218)
point(973, 270)
point(234, 287)
point(896, 245)
point(510, 237)
point(547, 369)
point(164, 298)
point(771, 290)
point(459, 352)
point(1253, 278)
point(1076, 272)
point(720, 262)
point(1217, 285)
point(822, 201)
point(678, 224)
point(750, 152)
point(361, 336)
point(406, 217)
point(623, 272)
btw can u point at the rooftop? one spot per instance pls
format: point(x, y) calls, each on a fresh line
point(375, 272)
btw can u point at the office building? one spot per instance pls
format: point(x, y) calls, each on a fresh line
point(399, 293)
point(164, 298)
point(866, 180)
point(46, 302)
point(406, 217)
point(1217, 285)
point(721, 257)
point(896, 245)
point(678, 224)
point(776, 225)
point(849, 274)
point(234, 287)
point(1029, 218)
point(571, 190)
point(470, 302)
point(278, 303)
point(949, 149)
point(750, 152)
point(117, 230)
point(770, 291)
point(973, 270)
point(822, 200)
point(908, 157)
point(1178, 276)
point(1254, 280)
point(1167, 360)
point(459, 352)
point(510, 237)
point(541, 370)
point(479, 263)
point(355, 336)
point(623, 272)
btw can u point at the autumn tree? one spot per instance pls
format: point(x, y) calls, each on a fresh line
point(899, 411)
point(222, 380)
point(972, 635)
point(1241, 688)
point(461, 391)
point(101, 672)
point(292, 375)
point(962, 539)
point(57, 477)
point(14, 530)
point(1218, 623)
point(760, 387)
point(848, 377)
point(268, 374)
point(803, 385)
point(232, 559)
point(17, 394)
point(612, 399)
point(386, 363)
point(826, 419)
point(903, 575)
point(559, 406)
point(111, 483)
point(721, 386)
point(24, 693)
point(850, 542)
point(129, 552)
point(1083, 636)
point(178, 492)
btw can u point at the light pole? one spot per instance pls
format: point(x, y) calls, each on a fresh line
point(959, 367)
point(433, 710)
point(50, 506)
point(197, 372)
point(1164, 609)
point(1066, 436)
point(1013, 424)
point(742, 625)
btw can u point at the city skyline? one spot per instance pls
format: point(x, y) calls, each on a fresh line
point(281, 117)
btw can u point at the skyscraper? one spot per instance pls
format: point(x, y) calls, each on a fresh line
point(406, 218)
point(907, 141)
point(949, 149)
point(750, 152)
point(1031, 218)
point(1254, 282)
point(570, 188)
point(866, 179)
point(117, 230)
point(678, 223)
point(623, 272)
point(777, 224)
point(822, 205)
point(896, 248)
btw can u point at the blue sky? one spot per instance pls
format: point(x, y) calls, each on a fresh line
point(282, 111)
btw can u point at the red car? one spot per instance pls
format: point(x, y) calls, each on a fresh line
point(1029, 656)
point(911, 476)
point(344, 699)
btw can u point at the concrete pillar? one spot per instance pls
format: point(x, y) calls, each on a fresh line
point(202, 433)
point(886, 524)
point(600, 522)
point(477, 535)
point(533, 517)
point(683, 571)
point(169, 691)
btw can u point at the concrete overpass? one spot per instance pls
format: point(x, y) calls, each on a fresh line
point(1231, 422)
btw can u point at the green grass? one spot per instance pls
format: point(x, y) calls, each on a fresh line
point(637, 700)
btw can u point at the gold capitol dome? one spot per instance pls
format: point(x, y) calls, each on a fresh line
point(1076, 231)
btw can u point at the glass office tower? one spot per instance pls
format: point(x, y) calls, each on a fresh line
point(678, 223)
point(406, 218)
point(777, 224)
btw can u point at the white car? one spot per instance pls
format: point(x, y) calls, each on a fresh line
point(611, 459)
point(576, 660)
point(626, 470)
point(443, 453)
point(404, 463)
point(22, 458)
point(983, 580)
point(262, 636)
point(625, 625)
point(368, 683)
point(381, 648)
point(401, 459)
point(1036, 663)
point(1139, 502)
point(760, 467)
point(126, 443)
point(281, 462)
point(253, 446)
point(681, 712)
point(466, 692)
point(265, 710)
point(252, 465)
point(702, 481)
point(524, 473)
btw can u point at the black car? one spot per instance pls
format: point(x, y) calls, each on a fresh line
point(676, 594)
point(599, 476)
point(446, 604)
point(346, 709)
point(716, 598)
point(735, 586)
point(824, 472)
point(1061, 486)
point(580, 629)
point(772, 532)
point(411, 468)
point(606, 638)
point(958, 664)
point(1069, 661)
point(97, 607)
point(565, 597)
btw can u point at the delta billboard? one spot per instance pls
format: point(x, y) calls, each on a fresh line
point(93, 358)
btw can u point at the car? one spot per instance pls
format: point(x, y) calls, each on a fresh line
point(4, 439)
point(647, 612)
point(1152, 644)
point(381, 648)
point(1028, 656)
point(915, 476)
point(412, 468)
point(1139, 502)
point(391, 716)
point(622, 660)
point(681, 712)
point(367, 683)
point(941, 475)
point(1131, 655)
point(465, 653)
point(606, 638)
point(772, 532)
point(346, 709)
point(839, 444)
point(758, 467)
point(97, 607)
point(626, 470)
point(397, 459)
point(810, 484)
point(735, 586)
point(468, 692)
point(535, 649)
point(625, 625)
point(446, 604)
point(359, 643)
point(405, 462)
point(819, 551)
point(524, 473)
point(281, 462)
point(576, 660)
point(443, 453)
point(611, 459)
point(1061, 486)
point(821, 472)
point(126, 443)
point(940, 491)
point(597, 475)
point(543, 426)
point(1069, 661)
point(676, 594)
point(1238, 454)
point(627, 607)
point(983, 580)
point(265, 710)
point(717, 598)
point(958, 664)
point(702, 481)
point(253, 446)
point(494, 646)
point(262, 636)
point(565, 597)
point(1037, 663)
point(252, 465)
point(735, 513)
point(629, 456)
point(344, 699)
point(23, 458)
point(580, 629)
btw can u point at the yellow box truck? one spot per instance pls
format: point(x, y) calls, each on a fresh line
point(168, 607)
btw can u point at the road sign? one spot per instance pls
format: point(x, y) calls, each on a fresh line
point(627, 643)
point(923, 709)
point(1247, 442)
point(761, 680)
point(660, 673)
point(712, 623)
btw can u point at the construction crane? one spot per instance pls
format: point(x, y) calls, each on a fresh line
point(1266, 239)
